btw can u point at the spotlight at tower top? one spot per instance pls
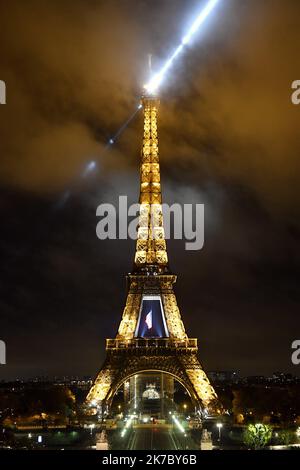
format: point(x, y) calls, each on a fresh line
point(152, 86)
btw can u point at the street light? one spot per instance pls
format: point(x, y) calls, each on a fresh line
point(92, 426)
point(219, 426)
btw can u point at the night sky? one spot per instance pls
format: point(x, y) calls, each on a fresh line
point(229, 138)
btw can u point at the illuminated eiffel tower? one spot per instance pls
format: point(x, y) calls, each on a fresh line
point(151, 335)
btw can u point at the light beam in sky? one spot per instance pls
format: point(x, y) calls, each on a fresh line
point(90, 167)
point(113, 139)
point(156, 80)
point(151, 87)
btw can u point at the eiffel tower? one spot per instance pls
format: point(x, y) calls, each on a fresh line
point(151, 335)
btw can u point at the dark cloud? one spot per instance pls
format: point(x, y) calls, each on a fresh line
point(73, 71)
point(228, 137)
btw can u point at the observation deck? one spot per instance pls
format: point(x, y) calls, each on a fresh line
point(152, 345)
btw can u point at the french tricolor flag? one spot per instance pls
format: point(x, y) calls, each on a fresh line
point(148, 320)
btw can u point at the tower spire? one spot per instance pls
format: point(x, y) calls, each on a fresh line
point(151, 252)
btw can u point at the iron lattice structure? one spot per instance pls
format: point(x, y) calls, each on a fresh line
point(127, 354)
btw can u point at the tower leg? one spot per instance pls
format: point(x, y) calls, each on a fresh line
point(183, 367)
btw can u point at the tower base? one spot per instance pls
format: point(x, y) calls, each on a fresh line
point(126, 358)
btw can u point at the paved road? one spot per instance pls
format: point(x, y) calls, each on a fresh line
point(157, 438)
point(152, 439)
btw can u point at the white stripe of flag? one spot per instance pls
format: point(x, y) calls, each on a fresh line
point(148, 320)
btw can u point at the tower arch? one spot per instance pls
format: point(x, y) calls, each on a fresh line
point(120, 383)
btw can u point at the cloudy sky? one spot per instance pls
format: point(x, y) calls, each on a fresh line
point(229, 138)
